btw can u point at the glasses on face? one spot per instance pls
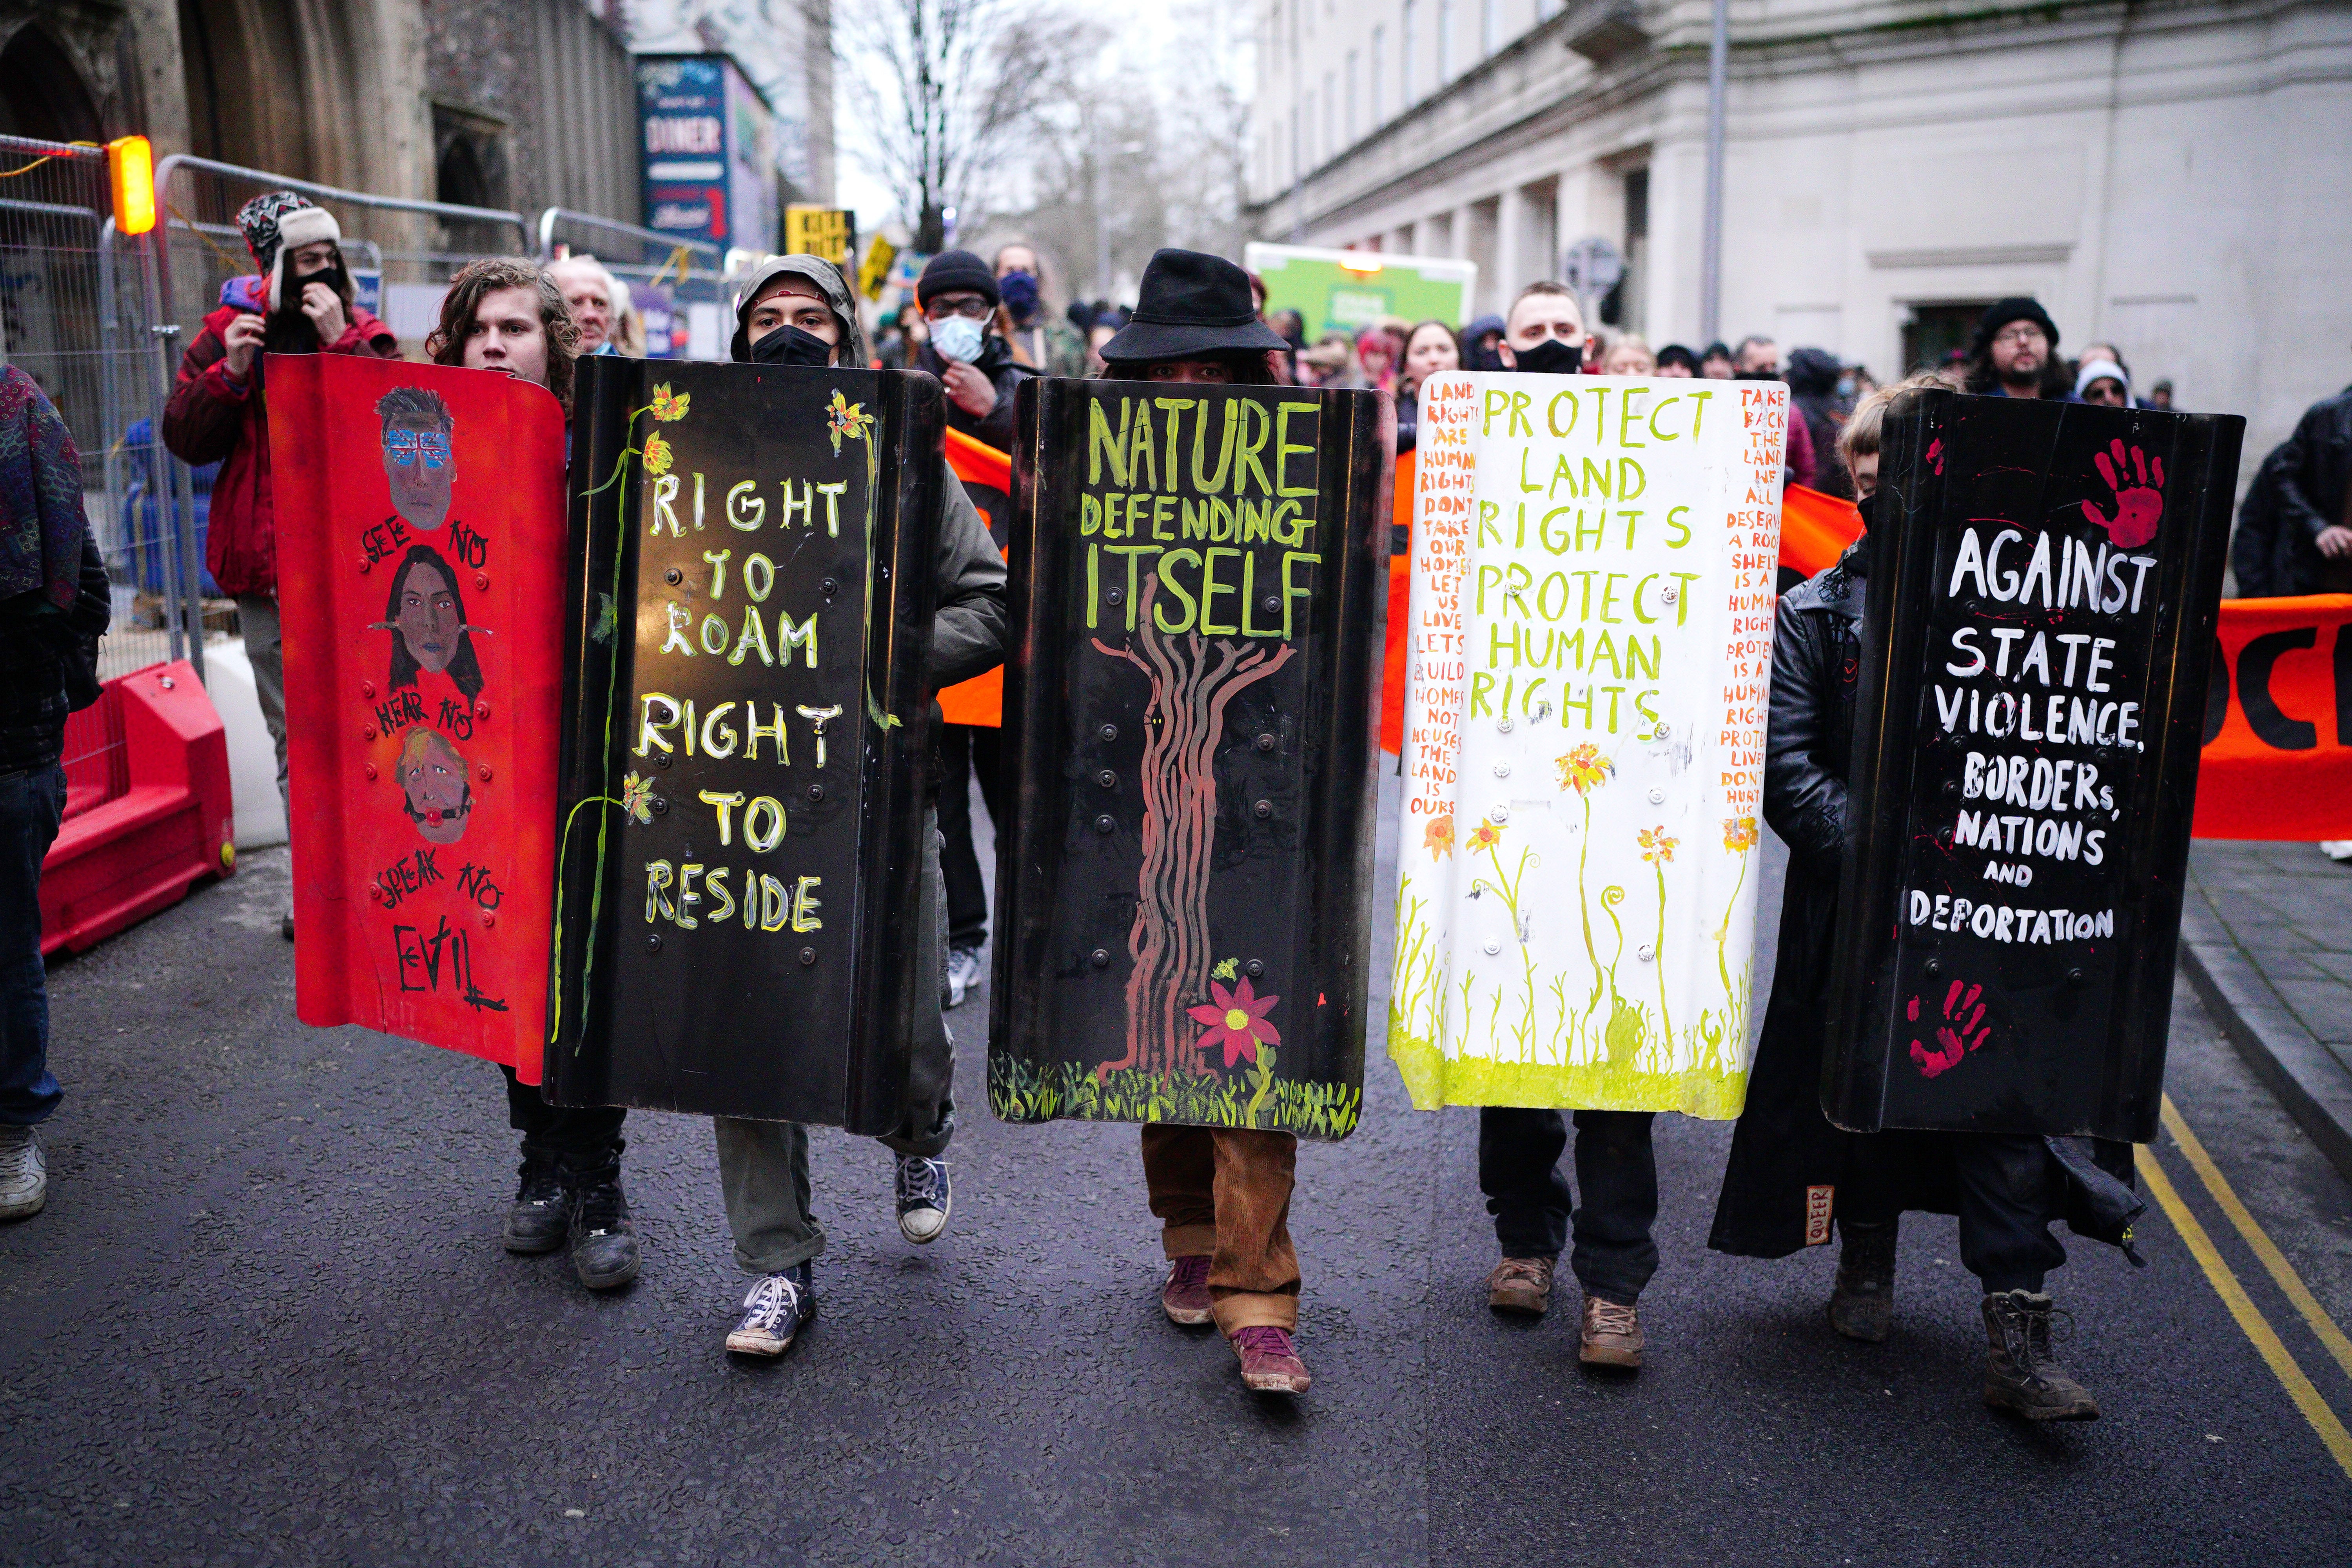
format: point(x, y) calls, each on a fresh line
point(405, 447)
point(972, 307)
point(2021, 335)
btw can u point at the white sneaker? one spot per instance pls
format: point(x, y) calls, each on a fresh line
point(963, 973)
point(24, 1179)
point(923, 1198)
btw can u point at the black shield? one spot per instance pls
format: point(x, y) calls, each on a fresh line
point(1183, 919)
point(2043, 585)
point(740, 853)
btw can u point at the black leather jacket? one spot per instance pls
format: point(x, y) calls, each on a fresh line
point(1816, 660)
point(996, 362)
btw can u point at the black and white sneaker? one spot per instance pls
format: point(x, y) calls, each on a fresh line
point(774, 1312)
point(963, 973)
point(540, 1215)
point(923, 1194)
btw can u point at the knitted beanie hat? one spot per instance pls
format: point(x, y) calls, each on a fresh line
point(276, 223)
point(956, 272)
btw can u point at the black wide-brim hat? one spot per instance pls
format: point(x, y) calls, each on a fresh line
point(1192, 304)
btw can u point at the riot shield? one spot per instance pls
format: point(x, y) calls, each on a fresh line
point(421, 605)
point(2043, 587)
point(1587, 662)
point(1183, 909)
point(739, 853)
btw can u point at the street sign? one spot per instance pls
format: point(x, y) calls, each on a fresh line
point(1184, 903)
point(2043, 587)
point(1591, 267)
point(744, 739)
point(828, 232)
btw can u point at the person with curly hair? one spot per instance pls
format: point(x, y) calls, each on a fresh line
point(503, 312)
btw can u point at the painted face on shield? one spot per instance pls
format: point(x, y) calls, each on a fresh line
point(428, 618)
point(418, 466)
point(433, 784)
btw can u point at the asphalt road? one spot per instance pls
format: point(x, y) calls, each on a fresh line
point(265, 1318)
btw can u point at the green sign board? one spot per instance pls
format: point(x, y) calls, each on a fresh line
point(1347, 291)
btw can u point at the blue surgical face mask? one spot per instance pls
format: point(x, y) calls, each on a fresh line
point(956, 338)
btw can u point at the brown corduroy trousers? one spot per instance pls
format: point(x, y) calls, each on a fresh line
point(1225, 1192)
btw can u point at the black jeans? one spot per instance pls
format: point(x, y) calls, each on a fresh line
point(1518, 1170)
point(2010, 1189)
point(964, 750)
point(31, 804)
point(576, 1134)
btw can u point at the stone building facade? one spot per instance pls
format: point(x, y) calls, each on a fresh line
point(2164, 174)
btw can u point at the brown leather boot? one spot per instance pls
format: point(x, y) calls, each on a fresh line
point(1862, 1304)
point(1613, 1334)
point(1520, 1284)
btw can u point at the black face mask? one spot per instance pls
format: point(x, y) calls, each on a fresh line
point(789, 345)
point(287, 331)
point(1553, 356)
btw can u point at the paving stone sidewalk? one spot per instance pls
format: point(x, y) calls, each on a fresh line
point(2266, 938)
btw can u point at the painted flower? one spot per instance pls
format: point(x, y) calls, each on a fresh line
point(1236, 1020)
point(657, 454)
point(843, 417)
point(1584, 769)
point(1486, 835)
point(1738, 834)
point(669, 409)
point(1438, 836)
point(637, 798)
point(1655, 846)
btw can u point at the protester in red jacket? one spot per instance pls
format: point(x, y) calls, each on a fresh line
point(301, 303)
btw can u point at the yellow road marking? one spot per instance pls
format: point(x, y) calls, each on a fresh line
point(2281, 1271)
point(2256, 1327)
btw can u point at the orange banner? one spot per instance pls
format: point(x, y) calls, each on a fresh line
point(987, 476)
point(2278, 721)
point(1815, 528)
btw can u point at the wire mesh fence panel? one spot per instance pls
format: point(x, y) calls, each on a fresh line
point(73, 317)
point(678, 288)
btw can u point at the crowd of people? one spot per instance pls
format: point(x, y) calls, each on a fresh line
point(983, 327)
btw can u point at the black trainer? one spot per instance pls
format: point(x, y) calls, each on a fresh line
point(1862, 1303)
point(603, 1241)
point(2021, 1374)
point(542, 1211)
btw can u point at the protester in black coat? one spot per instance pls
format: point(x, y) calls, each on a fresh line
point(959, 297)
point(2295, 526)
point(1813, 378)
point(1791, 1173)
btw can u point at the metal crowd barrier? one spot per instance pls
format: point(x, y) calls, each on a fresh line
point(679, 287)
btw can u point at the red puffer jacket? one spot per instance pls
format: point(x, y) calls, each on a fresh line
point(214, 419)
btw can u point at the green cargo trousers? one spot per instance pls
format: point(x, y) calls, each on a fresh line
point(763, 1166)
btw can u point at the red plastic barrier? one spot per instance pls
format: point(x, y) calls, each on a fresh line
point(147, 812)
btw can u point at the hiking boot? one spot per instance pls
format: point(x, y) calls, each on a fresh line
point(923, 1198)
point(778, 1306)
point(1185, 1297)
point(542, 1212)
point(1862, 1303)
point(963, 973)
point(1520, 1284)
point(603, 1241)
point(1269, 1362)
point(1612, 1332)
point(24, 1176)
point(2021, 1374)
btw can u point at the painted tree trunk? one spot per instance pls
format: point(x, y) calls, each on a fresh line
point(1193, 681)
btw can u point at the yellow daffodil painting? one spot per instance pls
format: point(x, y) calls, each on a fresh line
point(843, 417)
point(1438, 836)
point(657, 454)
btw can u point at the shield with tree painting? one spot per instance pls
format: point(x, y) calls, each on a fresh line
point(1183, 909)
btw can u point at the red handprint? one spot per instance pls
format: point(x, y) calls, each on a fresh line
point(1961, 1013)
point(2139, 506)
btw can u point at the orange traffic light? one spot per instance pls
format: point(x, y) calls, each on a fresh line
point(130, 163)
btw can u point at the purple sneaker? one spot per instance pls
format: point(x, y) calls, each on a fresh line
point(1185, 1297)
point(1269, 1364)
